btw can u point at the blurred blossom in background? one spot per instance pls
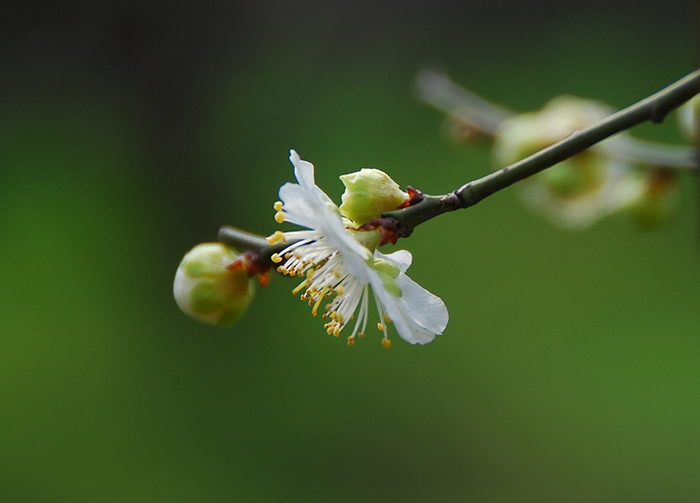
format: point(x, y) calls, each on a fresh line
point(130, 131)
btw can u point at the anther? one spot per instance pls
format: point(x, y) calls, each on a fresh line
point(276, 237)
point(276, 258)
point(278, 206)
point(386, 343)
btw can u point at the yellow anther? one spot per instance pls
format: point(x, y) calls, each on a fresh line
point(361, 335)
point(336, 331)
point(279, 217)
point(351, 340)
point(276, 258)
point(386, 343)
point(278, 206)
point(380, 326)
point(386, 318)
point(276, 237)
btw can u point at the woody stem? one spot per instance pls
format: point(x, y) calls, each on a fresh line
point(653, 108)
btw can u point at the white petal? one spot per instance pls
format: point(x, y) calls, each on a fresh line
point(418, 315)
point(304, 173)
point(303, 170)
point(298, 208)
point(427, 310)
point(400, 258)
point(398, 313)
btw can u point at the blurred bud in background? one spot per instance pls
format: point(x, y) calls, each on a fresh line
point(688, 118)
point(577, 192)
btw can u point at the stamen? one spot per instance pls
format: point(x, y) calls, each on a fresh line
point(279, 217)
point(318, 302)
point(276, 237)
point(380, 326)
point(276, 258)
point(386, 343)
point(278, 206)
point(351, 340)
point(300, 287)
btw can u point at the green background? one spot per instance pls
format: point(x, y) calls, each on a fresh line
point(130, 131)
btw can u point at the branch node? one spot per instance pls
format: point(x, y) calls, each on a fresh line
point(657, 113)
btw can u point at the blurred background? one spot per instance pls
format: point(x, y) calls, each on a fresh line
point(130, 131)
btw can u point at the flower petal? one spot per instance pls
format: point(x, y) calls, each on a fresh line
point(400, 258)
point(427, 310)
point(418, 315)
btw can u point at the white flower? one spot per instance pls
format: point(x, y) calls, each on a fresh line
point(336, 263)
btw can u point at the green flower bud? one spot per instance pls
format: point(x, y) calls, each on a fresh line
point(207, 290)
point(579, 191)
point(369, 193)
point(688, 118)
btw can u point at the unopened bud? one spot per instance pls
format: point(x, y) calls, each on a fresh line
point(579, 191)
point(369, 193)
point(207, 290)
point(689, 120)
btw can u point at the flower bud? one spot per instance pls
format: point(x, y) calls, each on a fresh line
point(207, 290)
point(578, 191)
point(688, 118)
point(369, 193)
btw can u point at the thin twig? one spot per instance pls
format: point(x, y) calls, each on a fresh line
point(654, 109)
